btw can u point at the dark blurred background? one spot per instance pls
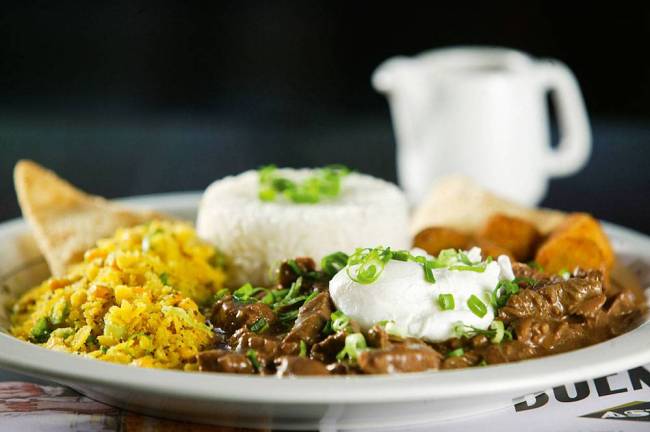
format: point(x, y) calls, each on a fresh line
point(135, 97)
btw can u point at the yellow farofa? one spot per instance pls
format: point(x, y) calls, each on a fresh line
point(133, 300)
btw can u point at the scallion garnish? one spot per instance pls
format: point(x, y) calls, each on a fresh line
point(245, 293)
point(428, 272)
point(446, 302)
point(458, 352)
point(333, 263)
point(252, 356)
point(355, 343)
point(303, 349)
point(339, 321)
point(477, 307)
point(502, 292)
point(390, 327)
point(325, 182)
point(164, 278)
point(221, 294)
point(496, 333)
point(295, 267)
point(260, 326)
point(368, 264)
point(564, 273)
point(499, 329)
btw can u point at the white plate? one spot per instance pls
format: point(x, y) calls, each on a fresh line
point(305, 403)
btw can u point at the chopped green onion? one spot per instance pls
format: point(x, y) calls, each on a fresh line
point(164, 279)
point(502, 292)
point(473, 268)
point(266, 173)
point(260, 326)
point(310, 297)
point(340, 321)
point(497, 326)
point(333, 263)
point(368, 264)
point(390, 327)
point(401, 255)
point(327, 329)
point(267, 194)
point(477, 307)
point(428, 272)
point(268, 298)
point(252, 356)
point(355, 343)
point(535, 265)
point(446, 302)
point(303, 349)
point(221, 294)
point(462, 256)
point(564, 273)
point(325, 182)
point(295, 267)
point(456, 353)
point(287, 318)
point(494, 333)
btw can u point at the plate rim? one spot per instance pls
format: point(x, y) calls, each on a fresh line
point(514, 378)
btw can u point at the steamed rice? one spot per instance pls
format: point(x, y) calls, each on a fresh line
point(133, 300)
point(257, 235)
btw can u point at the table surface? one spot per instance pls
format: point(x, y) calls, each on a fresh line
point(28, 404)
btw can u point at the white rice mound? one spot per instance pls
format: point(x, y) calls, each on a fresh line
point(257, 235)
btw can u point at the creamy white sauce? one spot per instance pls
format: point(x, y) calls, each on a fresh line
point(402, 295)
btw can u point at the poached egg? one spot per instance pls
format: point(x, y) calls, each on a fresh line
point(402, 296)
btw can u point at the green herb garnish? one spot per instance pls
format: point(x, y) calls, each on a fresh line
point(339, 321)
point(252, 356)
point(260, 326)
point(496, 332)
point(502, 292)
point(355, 344)
point(446, 302)
point(164, 278)
point(368, 264)
point(477, 307)
point(333, 263)
point(456, 353)
point(303, 349)
point(324, 183)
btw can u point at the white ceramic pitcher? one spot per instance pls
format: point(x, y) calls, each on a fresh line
point(482, 112)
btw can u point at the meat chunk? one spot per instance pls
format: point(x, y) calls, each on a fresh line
point(327, 349)
point(294, 365)
point(312, 317)
point(224, 361)
point(409, 356)
point(287, 274)
point(377, 337)
point(230, 315)
point(265, 348)
point(552, 298)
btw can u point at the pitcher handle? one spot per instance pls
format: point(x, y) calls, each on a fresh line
point(574, 147)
